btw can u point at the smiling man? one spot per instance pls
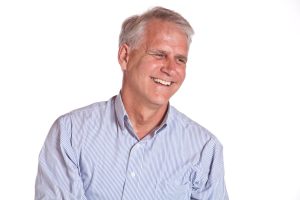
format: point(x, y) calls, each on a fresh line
point(136, 145)
point(154, 69)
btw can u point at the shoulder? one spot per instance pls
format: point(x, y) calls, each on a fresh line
point(191, 129)
point(73, 127)
point(92, 111)
point(85, 118)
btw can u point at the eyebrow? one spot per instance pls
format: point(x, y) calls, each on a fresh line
point(153, 51)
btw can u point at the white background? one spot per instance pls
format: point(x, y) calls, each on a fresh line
point(242, 83)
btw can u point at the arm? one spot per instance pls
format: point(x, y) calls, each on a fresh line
point(58, 174)
point(208, 177)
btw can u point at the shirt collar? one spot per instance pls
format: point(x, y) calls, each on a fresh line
point(165, 120)
point(120, 111)
point(122, 114)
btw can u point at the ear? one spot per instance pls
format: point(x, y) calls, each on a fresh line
point(123, 56)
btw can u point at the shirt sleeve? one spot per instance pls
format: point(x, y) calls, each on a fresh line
point(58, 174)
point(208, 174)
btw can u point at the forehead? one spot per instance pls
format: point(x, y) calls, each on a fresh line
point(165, 32)
point(158, 27)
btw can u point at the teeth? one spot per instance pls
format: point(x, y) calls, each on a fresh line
point(163, 82)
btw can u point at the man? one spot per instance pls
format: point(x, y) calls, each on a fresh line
point(136, 146)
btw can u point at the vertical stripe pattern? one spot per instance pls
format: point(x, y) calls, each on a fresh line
point(92, 153)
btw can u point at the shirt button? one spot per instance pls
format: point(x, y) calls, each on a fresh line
point(132, 174)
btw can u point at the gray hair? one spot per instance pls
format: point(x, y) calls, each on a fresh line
point(134, 26)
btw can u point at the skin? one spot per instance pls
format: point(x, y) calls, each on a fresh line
point(161, 54)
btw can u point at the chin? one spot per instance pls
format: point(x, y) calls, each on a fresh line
point(160, 101)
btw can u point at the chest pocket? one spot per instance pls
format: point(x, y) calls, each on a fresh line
point(172, 190)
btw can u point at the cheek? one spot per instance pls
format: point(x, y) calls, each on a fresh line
point(181, 74)
point(148, 68)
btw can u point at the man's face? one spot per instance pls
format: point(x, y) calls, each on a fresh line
point(155, 70)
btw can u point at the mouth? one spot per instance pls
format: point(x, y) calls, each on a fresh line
point(162, 82)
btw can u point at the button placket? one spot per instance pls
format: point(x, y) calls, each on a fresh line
point(134, 169)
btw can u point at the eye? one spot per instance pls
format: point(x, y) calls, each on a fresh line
point(182, 60)
point(159, 55)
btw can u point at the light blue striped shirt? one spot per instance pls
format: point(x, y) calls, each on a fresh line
point(93, 153)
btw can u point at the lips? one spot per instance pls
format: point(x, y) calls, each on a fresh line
point(162, 82)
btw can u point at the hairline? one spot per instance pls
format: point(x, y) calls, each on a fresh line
point(139, 24)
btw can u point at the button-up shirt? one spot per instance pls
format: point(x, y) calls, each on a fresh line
point(93, 153)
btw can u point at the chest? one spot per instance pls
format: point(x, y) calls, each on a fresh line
point(127, 169)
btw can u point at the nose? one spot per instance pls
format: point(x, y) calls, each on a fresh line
point(169, 67)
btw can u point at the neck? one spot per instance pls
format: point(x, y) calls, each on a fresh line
point(142, 117)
